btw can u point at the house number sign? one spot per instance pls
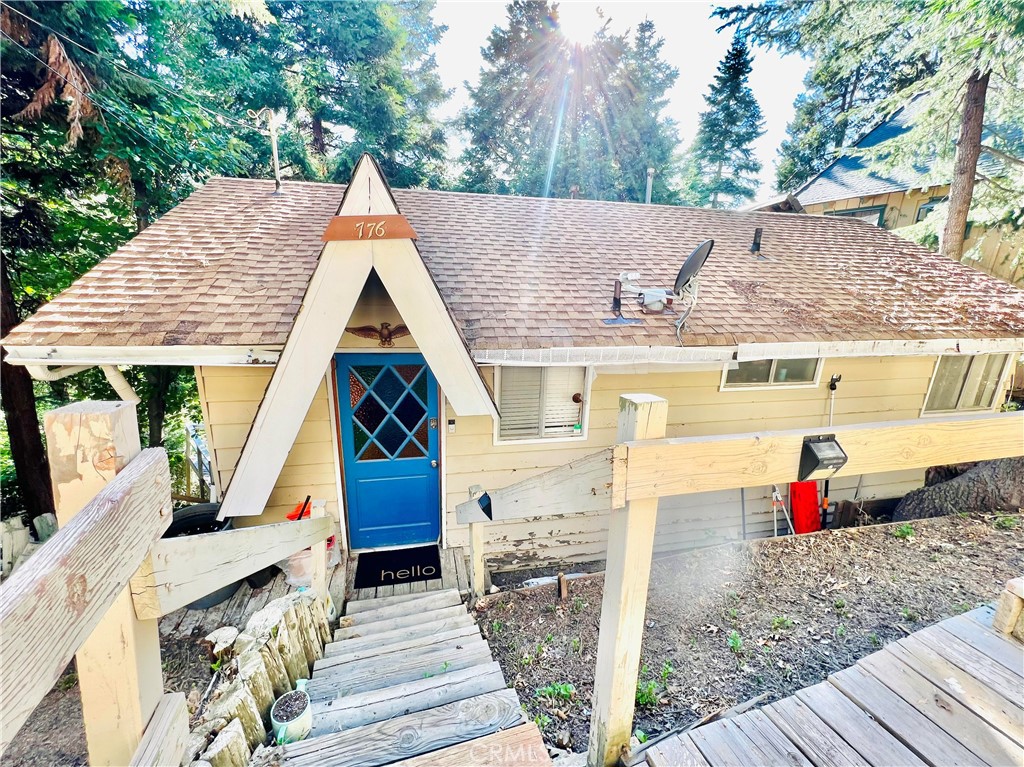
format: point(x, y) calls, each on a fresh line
point(369, 228)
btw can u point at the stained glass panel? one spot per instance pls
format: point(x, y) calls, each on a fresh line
point(420, 387)
point(408, 372)
point(411, 450)
point(388, 388)
point(421, 434)
point(373, 453)
point(370, 414)
point(391, 436)
point(359, 438)
point(368, 373)
point(409, 412)
point(356, 390)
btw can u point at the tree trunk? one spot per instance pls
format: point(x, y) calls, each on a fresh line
point(159, 378)
point(988, 487)
point(968, 149)
point(319, 140)
point(19, 405)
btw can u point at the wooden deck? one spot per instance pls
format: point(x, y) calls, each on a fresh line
point(454, 575)
point(409, 680)
point(952, 693)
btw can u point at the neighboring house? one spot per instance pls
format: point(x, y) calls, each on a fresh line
point(893, 199)
point(480, 354)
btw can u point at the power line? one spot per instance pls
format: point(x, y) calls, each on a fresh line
point(92, 97)
point(130, 73)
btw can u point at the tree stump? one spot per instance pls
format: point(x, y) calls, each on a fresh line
point(990, 486)
point(229, 748)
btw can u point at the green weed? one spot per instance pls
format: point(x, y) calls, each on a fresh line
point(1004, 522)
point(640, 735)
point(735, 642)
point(909, 615)
point(577, 605)
point(497, 626)
point(556, 691)
point(542, 720)
point(576, 645)
point(781, 622)
point(903, 531)
point(875, 641)
point(667, 670)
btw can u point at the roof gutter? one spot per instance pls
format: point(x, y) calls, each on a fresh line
point(141, 355)
point(114, 377)
point(882, 348)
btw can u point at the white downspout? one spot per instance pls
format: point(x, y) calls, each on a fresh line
point(120, 384)
point(114, 378)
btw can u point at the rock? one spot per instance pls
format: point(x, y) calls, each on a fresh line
point(494, 589)
point(219, 642)
point(563, 739)
point(229, 748)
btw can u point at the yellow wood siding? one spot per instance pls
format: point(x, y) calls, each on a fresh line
point(873, 389)
point(994, 251)
point(230, 397)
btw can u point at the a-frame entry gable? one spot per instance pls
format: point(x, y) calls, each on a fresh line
point(331, 296)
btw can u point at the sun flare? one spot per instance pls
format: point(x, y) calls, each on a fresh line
point(579, 21)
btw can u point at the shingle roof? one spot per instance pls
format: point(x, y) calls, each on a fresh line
point(229, 266)
point(848, 176)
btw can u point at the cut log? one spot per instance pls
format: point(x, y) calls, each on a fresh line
point(989, 486)
point(235, 702)
point(229, 748)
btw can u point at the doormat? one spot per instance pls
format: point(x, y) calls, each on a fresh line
point(386, 568)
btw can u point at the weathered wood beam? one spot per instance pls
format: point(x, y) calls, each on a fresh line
point(579, 486)
point(703, 464)
point(624, 600)
point(181, 570)
point(166, 736)
point(51, 605)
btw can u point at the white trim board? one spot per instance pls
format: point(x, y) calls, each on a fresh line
point(892, 348)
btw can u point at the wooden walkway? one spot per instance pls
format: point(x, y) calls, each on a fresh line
point(454, 575)
point(950, 694)
point(409, 680)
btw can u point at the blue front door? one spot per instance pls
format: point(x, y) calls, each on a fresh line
point(387, 404)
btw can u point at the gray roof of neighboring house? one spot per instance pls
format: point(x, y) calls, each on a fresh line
point(848, 176)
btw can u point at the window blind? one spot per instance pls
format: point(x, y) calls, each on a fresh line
point(537, 402)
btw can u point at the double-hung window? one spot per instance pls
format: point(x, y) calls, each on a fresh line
point(541, 402)
point(965, 382)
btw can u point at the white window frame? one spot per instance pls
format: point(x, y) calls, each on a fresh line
point(723, 386)
point(996, 401)
point(588, 382)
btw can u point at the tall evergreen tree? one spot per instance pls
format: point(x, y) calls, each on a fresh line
point(721, 169)
point(549, 117)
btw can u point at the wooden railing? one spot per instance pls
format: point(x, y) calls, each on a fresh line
point(627, 480)
point(97, 587)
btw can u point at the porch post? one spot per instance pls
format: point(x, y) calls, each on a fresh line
point(627, 573)
point(119, 672)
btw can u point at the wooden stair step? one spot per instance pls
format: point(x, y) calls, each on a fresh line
point(425, 603)
point(409, 735)
point(520, 746)
point(407, 623)
point(356, 606)
point(368, 707)
point(339, 653)
point(377, 673)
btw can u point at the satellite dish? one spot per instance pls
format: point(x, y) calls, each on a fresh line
point(692, 266)
point(686, 283)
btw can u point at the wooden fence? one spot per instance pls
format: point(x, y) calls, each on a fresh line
point(97, 587)
point(627, 480)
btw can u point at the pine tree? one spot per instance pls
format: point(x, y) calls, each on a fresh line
point(721, 170)
point(548, 116)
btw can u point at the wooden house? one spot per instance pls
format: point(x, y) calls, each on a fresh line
point(894, 199)
point(387, 350)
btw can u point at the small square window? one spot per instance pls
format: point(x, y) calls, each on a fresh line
point(537, 402)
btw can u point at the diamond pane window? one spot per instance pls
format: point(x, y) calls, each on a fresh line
point(370, 414)
point(421, 435)
point(359, 438)
point(408, 372)
point(410, 412)
point(388, 388)
point(356, 390)
point(420, 387)
point(412, 450)
point(391, 436)
point(373, 453)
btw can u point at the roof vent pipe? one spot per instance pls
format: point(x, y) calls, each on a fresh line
point(650, 185)
point(755, 246)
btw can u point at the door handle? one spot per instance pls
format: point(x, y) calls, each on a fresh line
point(433, 464)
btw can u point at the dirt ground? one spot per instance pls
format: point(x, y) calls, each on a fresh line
point(55, 735)
point(729, 623)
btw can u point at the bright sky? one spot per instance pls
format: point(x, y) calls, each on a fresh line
point(691, 45)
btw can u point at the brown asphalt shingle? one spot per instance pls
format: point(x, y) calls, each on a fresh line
point(229, 266)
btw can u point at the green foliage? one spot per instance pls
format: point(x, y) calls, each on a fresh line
point(556, 691)
point(548, 117)
point(721, 167)
point(1006, 522)
point(646, 692)
point(497, 626)
point(903, 531)
point(781, 622)
point(577, 605)
point(909, 615)
point(874, 639)
point(542, 721)
point(735, 642)
point(667, 670)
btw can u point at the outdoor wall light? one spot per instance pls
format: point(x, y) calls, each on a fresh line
point(821, 457)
